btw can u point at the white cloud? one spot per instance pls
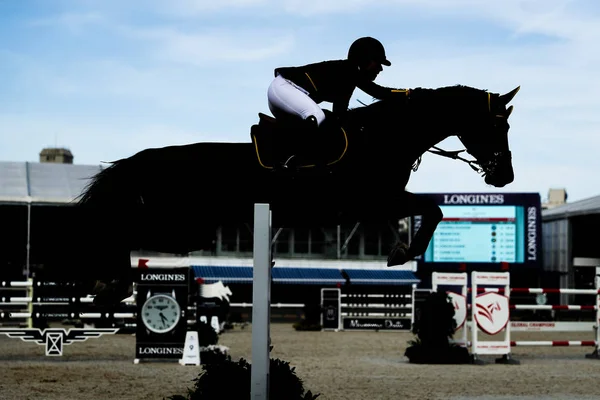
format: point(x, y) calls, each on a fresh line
point(194, 7)
point(523, 12)
point(212, 47)
point(91, 140)
point(74, 22)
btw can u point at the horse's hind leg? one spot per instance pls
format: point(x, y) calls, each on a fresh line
point(431, 215)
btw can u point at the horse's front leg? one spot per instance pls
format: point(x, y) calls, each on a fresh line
point(431, 215)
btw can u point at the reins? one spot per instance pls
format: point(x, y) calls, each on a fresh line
point(455, 155)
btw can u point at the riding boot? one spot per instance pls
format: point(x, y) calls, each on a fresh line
point(285, 149)
point(312, 141)
point(305, 138)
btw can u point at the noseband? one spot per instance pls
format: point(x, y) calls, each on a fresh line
point(489, 166)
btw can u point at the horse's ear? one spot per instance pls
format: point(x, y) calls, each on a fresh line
point(508, 111)
point(506, 98)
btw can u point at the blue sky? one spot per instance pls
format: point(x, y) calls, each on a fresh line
point(108, 78)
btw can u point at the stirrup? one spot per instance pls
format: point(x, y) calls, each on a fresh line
point(287, 164)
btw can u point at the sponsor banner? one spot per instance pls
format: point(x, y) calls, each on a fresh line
point(473, 198)
point(159, 350)
point(164, 277)
point(55, 338)
point(551, 326)
point(163, 282)
point(377, 324)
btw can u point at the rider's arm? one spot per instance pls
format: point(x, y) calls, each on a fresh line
point(381, 92)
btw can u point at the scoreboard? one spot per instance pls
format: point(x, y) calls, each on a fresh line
point(485, 228)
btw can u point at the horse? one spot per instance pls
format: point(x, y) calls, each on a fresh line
point(173, 199)
point(215, 296)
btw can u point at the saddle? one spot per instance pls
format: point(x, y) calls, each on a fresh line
point(276, 141)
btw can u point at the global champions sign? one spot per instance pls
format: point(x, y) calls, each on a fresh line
point(528, 222)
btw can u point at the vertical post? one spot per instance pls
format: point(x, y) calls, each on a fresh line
point(507, 337)
point(339, 242)
point(597, 284)
point(474, 326)
point(596, 353)
point(28, 248)
point(30, 292)
point(261, 303)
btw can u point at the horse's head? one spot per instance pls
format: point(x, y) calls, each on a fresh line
point(486, 139)
point(477, 117)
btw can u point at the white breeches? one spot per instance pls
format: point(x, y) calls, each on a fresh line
point(286, 97)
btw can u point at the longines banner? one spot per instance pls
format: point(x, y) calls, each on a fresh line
point(162, 300)
point(485, 229)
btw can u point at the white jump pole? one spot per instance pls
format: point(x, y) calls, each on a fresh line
point(261, 303)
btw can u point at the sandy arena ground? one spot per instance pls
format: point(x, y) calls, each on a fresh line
point(339, 365)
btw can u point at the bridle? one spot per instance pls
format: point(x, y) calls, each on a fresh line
point(478, 166)
point(455, 155)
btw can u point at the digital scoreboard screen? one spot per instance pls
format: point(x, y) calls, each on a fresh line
point(486, 228)
point(494, 230)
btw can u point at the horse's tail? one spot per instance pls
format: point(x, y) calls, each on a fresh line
point(72, 253)
point(94, 244)
point(110, 182)
point(110, 201)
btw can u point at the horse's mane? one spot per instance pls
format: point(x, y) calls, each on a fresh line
point(465, 92)
point(453, 99)
point(457, 103)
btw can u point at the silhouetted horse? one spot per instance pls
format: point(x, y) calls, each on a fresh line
point(172, 199)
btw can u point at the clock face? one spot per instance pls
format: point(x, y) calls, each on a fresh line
point(160, 313)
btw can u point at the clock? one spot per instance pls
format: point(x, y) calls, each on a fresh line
point(541, 299)
point(160, 313)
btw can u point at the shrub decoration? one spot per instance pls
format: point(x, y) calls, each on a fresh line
point(434, 327)
point(213, 354)
point(229, 379)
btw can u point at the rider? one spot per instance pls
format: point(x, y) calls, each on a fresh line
point(297, 91)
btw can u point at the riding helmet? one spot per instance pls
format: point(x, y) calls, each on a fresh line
point(366, 49)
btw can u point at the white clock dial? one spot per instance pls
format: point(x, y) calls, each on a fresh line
point(161, 313)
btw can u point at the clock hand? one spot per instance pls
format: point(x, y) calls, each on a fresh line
point(163, 318)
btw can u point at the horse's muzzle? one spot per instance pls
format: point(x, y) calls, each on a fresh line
point(499, 171)
point(500, 177)
point(498, 182)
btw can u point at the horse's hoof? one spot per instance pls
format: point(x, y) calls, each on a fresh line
point(398, 255)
